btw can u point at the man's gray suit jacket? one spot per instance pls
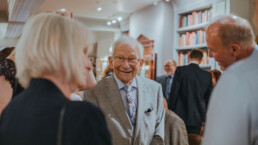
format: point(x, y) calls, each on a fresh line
point(149, 127)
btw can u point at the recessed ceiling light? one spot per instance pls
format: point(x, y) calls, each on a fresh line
point(155, 3)
point(119, 19)
point(108, 23)
point(63, 10)
point(113, 21)
point(167, 0)
point(99, 8)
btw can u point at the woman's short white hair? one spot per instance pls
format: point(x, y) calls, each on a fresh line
point(127, 40)
point(51, 45)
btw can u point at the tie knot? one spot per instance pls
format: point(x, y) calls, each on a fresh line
point(169, 77)
point(126, 88)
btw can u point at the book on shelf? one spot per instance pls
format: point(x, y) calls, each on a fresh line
point(192, 38)
point(194, 18)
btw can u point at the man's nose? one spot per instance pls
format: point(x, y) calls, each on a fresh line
point(126, 63)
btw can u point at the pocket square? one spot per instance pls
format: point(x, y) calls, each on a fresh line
point(148, 110)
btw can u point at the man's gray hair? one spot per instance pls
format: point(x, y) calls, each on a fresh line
point(127, 40)
point(233, 29)
point(171, 60)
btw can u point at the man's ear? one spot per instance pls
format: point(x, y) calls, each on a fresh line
point(110, 61)
point(235, 50)
point(141, 63)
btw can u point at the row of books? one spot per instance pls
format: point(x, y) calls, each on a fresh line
point(194, 18)
point(192, 38)
point(184, 56)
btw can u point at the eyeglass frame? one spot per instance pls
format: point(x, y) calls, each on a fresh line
point(122, 59)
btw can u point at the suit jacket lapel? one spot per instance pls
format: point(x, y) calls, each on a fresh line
point(140, 107)
point(164, 85)
point(116, 101)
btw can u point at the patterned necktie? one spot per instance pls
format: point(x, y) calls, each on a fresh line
point(168, 86)
point(131, 106)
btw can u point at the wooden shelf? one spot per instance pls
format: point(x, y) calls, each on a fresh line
point(197, 8)
point(191, 47)
point(192, 28)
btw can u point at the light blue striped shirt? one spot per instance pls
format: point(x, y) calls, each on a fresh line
point(132, 91)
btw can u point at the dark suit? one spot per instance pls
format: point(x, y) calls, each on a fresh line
point(190, 95)
point(32, 119)
point(163, 81)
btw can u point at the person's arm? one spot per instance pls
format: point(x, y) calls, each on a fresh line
point(178, 134)
point(158, 138)
point(174, 89)
point(228, 113)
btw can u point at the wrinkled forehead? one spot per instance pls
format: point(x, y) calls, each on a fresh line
point(126, 50)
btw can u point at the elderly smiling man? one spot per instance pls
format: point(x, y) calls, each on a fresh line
point(132, 105)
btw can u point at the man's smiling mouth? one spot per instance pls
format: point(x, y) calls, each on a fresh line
point(125, 71)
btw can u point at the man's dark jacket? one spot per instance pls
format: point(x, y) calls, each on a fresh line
point(189, 96)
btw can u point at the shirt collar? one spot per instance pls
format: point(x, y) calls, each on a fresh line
point(121, 85)
point(255, 49)
point(194, 62)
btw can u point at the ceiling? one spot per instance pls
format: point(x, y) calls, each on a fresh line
point(14, 13)
point(87, 8)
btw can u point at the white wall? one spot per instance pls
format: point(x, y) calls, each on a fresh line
point(104, 42)
point(180, 5)
point(156, 23)
point(240, 8)
point(251, 14)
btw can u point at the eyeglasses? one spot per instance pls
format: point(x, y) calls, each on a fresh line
point(131, 60)
point(168, 65)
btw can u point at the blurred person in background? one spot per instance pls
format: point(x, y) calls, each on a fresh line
point(215, 76)
point(9, 85)
point(166, 80)
point(51, 65)
point(107, 73)
point(190, 94)
point(175, 131)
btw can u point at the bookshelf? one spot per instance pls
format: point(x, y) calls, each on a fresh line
point(190, 33)
point(216, 8)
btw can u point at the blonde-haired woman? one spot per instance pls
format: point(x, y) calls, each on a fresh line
point(52, 63)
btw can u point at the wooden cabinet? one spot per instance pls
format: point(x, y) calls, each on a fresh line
point(149, 66)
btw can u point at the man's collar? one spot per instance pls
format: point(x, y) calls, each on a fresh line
point(194, 62)
point(255, 49)
point(122, 85)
